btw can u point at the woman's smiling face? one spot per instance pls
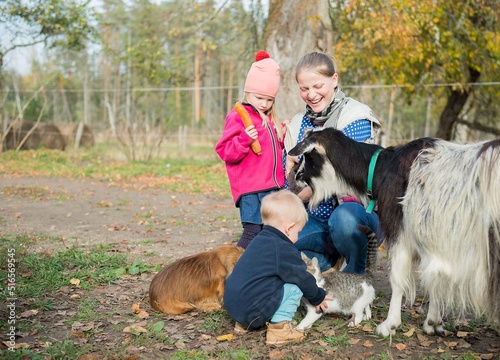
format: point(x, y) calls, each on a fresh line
point(316, 90)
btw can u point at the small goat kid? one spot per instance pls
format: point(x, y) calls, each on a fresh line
point(439, 205)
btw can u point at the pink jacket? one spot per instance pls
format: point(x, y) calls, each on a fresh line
point(247, 172)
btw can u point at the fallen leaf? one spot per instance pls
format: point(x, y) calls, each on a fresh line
point(75, 282)
point(367, 328)
point(28, 313)
point(16, 345)
point(410, 332)
point(422, 337)
point(426, 343)
point(143, 314)
point(486, 356)
point(462, 344)
point(354, 341)
point(462, 334)
point(88, 327)
point(400, 346)
point(77, 333)
point(368, 343)
point(227, 337)
point(322, 343)
point(180, 345)
point(329, 332)
point(277, 355)
point(135, 329)
point(136, 308)
point(103, 204)
point(90, 357)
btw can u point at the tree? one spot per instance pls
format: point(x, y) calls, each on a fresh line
point(65, 23)
point(417, 44)
point(294, 28)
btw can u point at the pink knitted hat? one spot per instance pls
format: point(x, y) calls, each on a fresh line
point(264, 76)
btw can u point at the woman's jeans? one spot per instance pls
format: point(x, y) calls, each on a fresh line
point(327, 239)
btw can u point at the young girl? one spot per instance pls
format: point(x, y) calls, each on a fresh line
point(251, 175)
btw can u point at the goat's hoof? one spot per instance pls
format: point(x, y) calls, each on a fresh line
point(386, 330)
point(430, 328)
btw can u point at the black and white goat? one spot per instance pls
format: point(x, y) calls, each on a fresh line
point(439, 205)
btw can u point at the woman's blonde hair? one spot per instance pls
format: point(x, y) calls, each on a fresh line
point(281, 207)
point(273, 114)
point(318, 62)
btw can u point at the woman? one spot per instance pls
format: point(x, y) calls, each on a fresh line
point(331, 231)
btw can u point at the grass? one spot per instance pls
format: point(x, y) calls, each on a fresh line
point(200, 174)
point(60, 350)
point(39, 274)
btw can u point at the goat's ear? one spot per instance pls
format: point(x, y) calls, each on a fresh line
point(303, 147)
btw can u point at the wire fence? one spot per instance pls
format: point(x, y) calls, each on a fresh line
point(167, 116)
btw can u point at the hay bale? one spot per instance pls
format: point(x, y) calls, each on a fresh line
point(16, 133)
point(50, 136)
point(69, 132)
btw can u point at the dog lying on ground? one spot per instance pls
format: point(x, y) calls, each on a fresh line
point(195, 282)
point(439, 205)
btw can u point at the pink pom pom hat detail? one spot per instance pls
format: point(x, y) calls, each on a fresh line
point(264, 76)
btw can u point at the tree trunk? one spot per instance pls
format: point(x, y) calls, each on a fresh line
point(295, 28)
point(454, 105)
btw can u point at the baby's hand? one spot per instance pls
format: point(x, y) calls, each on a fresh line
point(323, 306)
point(251, 131)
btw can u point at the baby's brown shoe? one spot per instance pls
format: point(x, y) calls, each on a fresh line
point(283, 333)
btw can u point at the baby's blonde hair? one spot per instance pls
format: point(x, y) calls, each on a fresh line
point(281, 207)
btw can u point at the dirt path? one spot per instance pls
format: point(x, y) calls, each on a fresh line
point(87, 213)
point(158, 227)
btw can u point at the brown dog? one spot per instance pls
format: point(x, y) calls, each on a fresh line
point(194, 282)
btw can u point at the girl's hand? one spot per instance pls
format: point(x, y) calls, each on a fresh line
point(252, 132)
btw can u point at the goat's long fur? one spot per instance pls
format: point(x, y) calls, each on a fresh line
point(194, 283)
point(439, 206)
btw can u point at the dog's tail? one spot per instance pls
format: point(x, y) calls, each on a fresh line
point(372, 249)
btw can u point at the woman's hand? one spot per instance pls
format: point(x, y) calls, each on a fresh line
point(290, 162)
point(305, 194)
point(252, 132)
